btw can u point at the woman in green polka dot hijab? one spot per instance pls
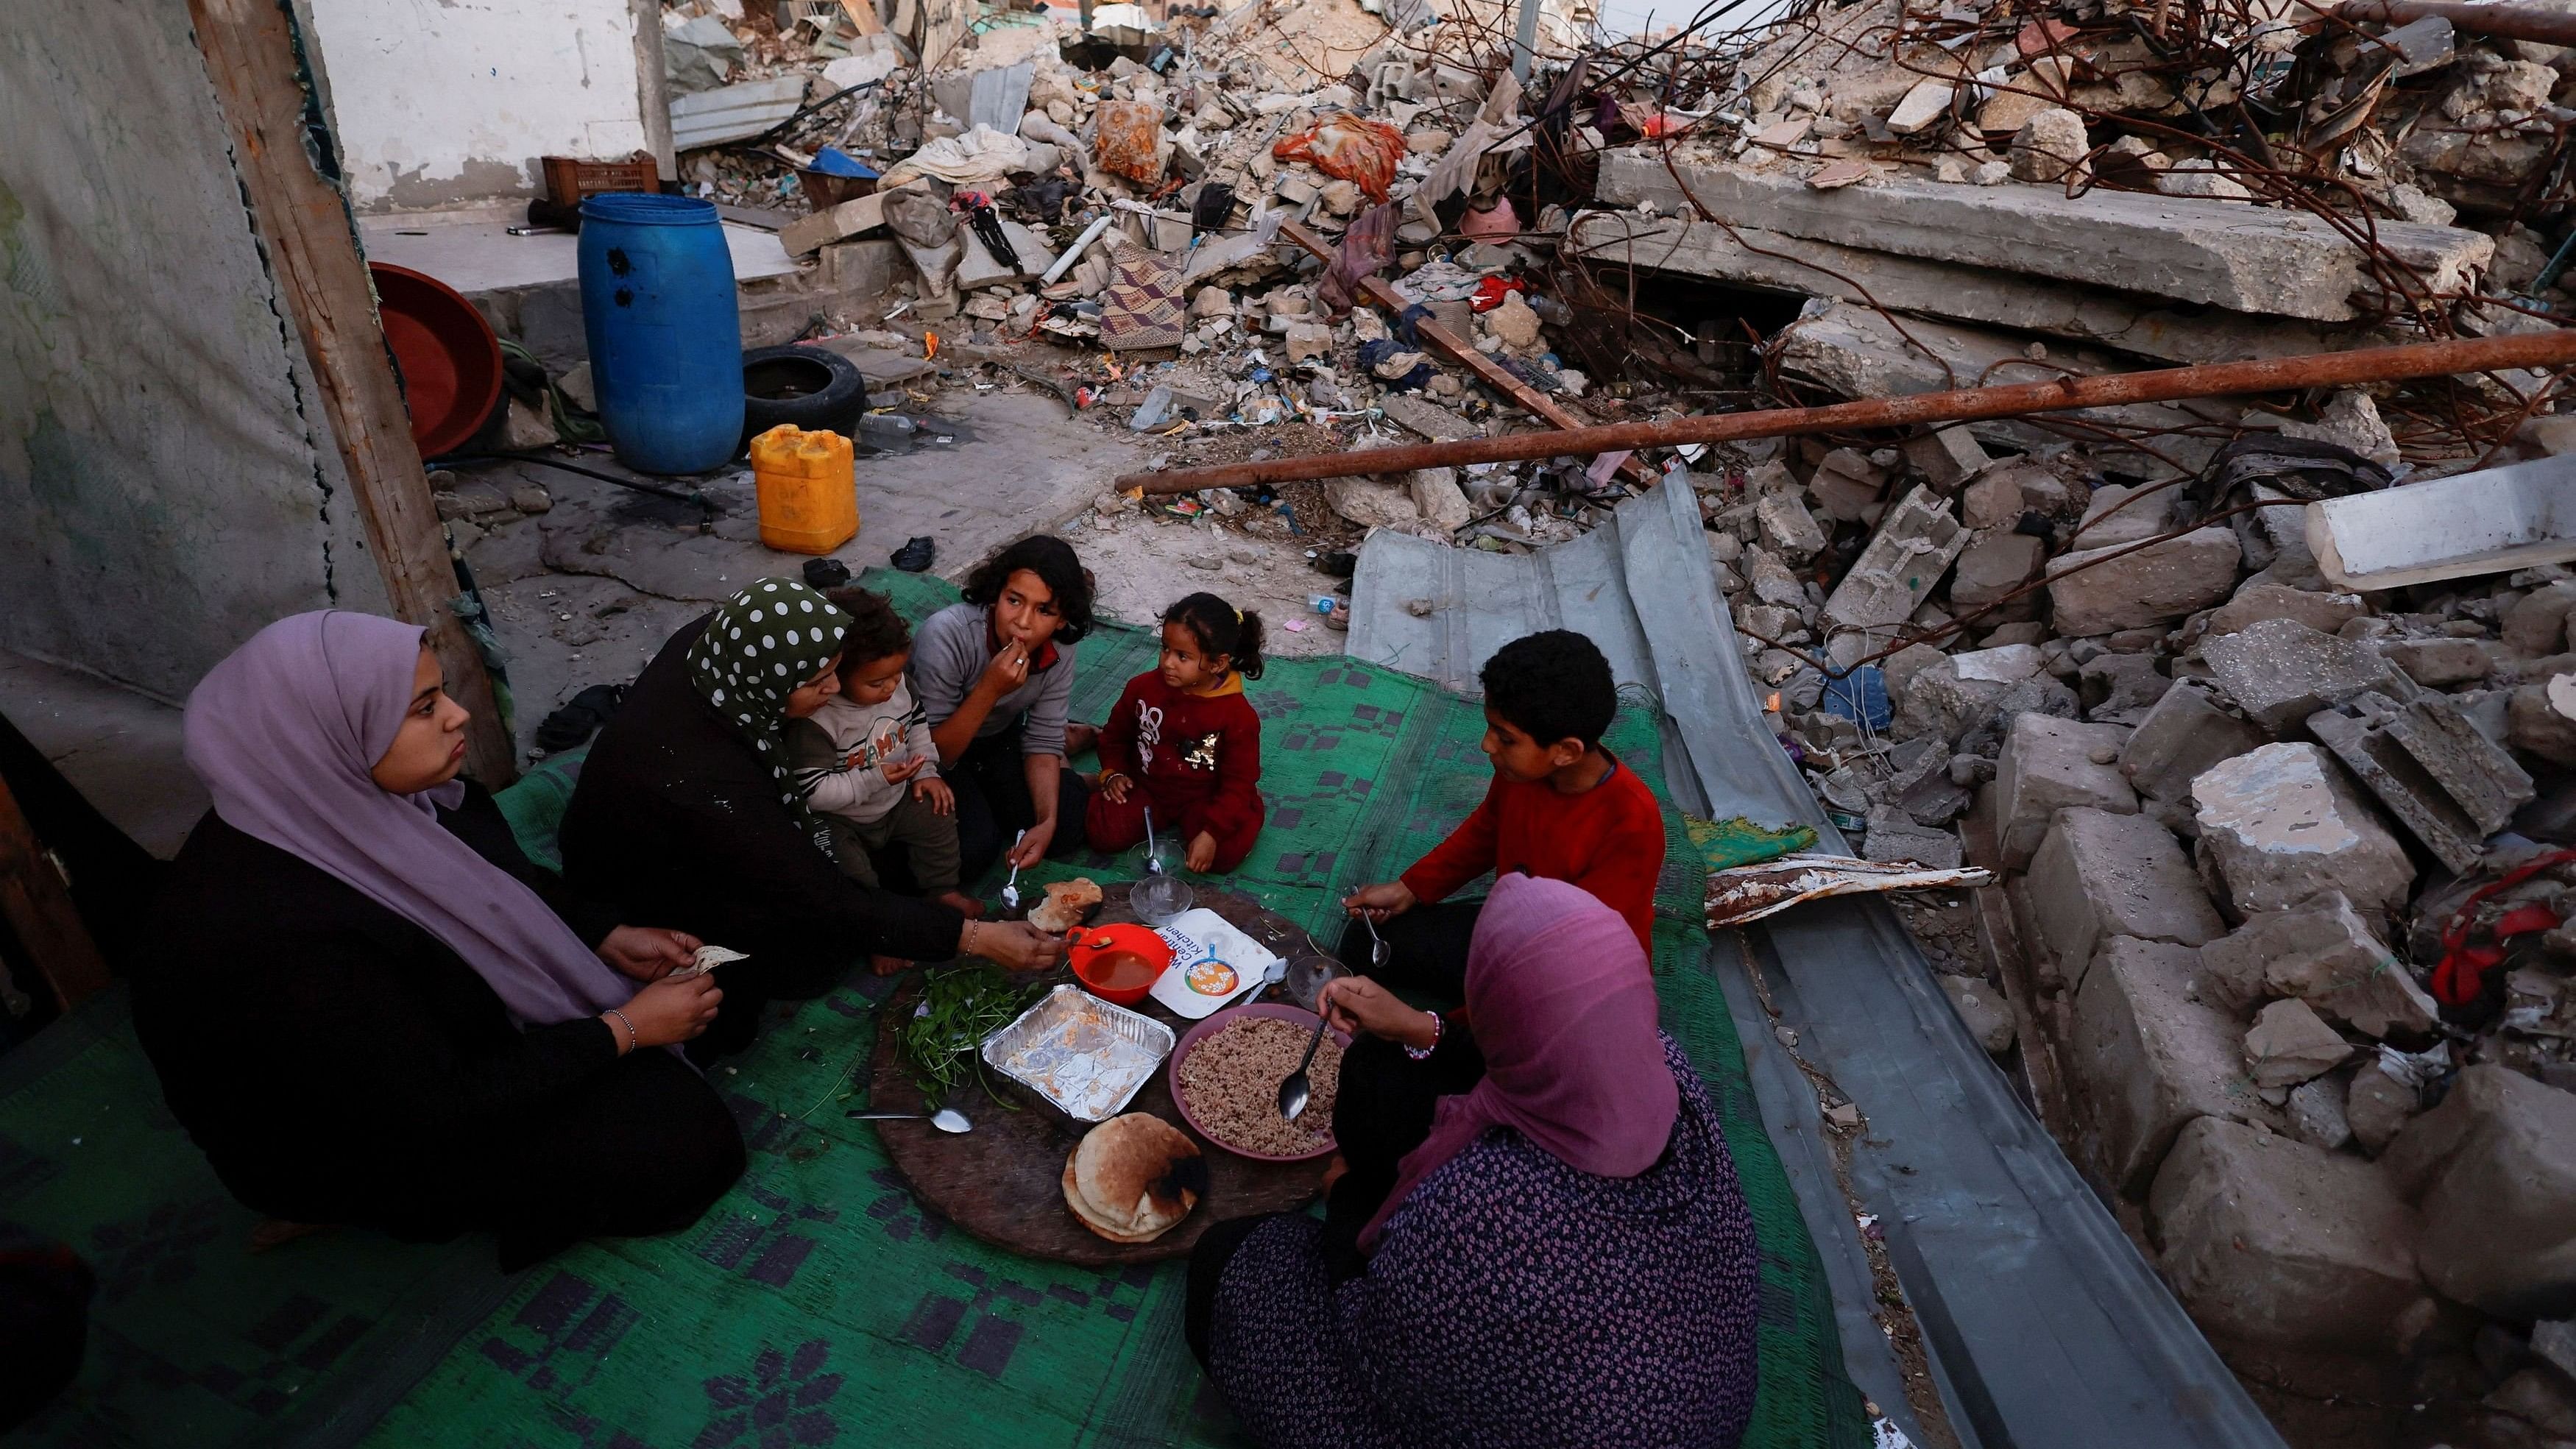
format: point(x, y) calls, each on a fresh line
point(766, 658)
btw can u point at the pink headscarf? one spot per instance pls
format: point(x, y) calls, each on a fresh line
point(285, 732)
point(1564, 1010)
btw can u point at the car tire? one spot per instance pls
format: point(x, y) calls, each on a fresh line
point(812, 387)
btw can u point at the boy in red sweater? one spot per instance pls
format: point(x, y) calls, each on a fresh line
point(1560, 806)
point(1184, 741)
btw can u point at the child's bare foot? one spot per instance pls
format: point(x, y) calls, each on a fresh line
point(962, 901)
point(889, 965)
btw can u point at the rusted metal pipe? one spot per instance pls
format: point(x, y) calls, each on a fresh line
point(2515, 22)
point(2556, 348)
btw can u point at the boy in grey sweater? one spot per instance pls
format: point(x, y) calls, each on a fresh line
point(867, 764)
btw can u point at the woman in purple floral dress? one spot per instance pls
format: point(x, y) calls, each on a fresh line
point(1537, 1238)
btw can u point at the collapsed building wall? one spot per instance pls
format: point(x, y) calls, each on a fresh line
point(167, 480)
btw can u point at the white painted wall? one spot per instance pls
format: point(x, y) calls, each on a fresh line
point(442, 102)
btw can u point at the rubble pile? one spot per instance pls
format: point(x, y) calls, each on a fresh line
point(2288, 861)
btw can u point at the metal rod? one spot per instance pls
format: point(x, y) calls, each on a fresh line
point(2515, 22)
point(2556, 348)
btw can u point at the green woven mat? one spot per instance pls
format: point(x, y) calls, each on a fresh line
point(816, 1303)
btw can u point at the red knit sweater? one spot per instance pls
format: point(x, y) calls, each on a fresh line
point(1608, 840)
point(1186, 748)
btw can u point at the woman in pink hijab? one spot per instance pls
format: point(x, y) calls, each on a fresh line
point(366, 1005)
point(1538, 1238)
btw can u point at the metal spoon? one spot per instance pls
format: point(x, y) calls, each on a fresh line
point(1011, 887)
point(1378, 952)
point(946, 1119)
point(1153, 852)
point(1294, 1091)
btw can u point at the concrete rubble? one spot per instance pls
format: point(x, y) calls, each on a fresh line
point(2242, 816)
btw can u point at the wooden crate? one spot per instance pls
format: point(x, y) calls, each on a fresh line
point(569, 178)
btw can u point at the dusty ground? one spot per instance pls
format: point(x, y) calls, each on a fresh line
point(586, 592)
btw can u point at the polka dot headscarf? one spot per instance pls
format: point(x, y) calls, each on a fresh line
point(758, 649)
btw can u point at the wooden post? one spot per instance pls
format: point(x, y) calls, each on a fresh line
point(38, 908)
point(288, 165)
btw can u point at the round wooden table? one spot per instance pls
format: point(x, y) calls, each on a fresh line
point(1004, 1181)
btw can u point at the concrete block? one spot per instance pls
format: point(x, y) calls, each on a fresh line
point(1436, 494)
point(1993, 565)
point(1946, 457)
point(2165, 581)
point(2448, 784)
point(2317, 1114)
point(2437, 662)
point(1994, 499)
point(2097, 876)
point(1788, 529)
point(2324, 953)
point(2120, 688)
point(2049, 148)
point(1848, 485)
point(2255, 602)
point(2536, 625)
point(2281, 825)
point(1891, 834)
point(2110, 519)
point(1945, 695)
point(2226, 255)
point(1371, 503)
point(2541, 718)
point(2493, 1170)
point(2048, 765)
point(2290, 1043)
point(2267, 1240)
point(2280, 671)
point(1981, 1010)
point(2184, 734)
point(2151, 1058)
point(1913, 548)
point(1309, 340)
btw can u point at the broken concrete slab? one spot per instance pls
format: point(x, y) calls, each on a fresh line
point(2047, 765)
point(2271, 1241)
point(2120, 688)
point(1892, 835)
point(2097, 876)
point(2256, 602)
point(2280, 671)
point(2493, 1170)
point(1992, 566)
point(2324, 953)
point(2184, 734)
point(2151, 1058)
point(1905, 560)
point(1946, 457)
point(2317, 1116)
point(2281, 824)
point(2439, 662)
point(2491, 521)
point(1427, 418)
point(1857, 353)
point(2448, 784)
point(2536, 625)
point(1748, 256)
point(2290, 1044)
point(2099, 590)
point(2193, 250)
point(2541, 718)
point(1788, 529)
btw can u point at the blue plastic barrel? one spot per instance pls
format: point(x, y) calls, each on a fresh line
point(657, 300)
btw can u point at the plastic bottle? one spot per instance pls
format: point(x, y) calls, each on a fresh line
point(808, 490)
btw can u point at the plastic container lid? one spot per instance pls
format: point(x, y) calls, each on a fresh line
point(645, 208)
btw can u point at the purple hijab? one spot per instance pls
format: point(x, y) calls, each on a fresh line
point(1563, 1004)
point(284, 733)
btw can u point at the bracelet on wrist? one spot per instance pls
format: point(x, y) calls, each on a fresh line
point(1422, 1053)
point(631, 1038)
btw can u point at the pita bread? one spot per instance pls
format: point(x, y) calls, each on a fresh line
point(1083, 1213)
point(1065, 903)
point(1135, 1174)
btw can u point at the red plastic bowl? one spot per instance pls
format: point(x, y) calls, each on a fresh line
point(1091, 945)
point(1298, 1017)
point(448, 356)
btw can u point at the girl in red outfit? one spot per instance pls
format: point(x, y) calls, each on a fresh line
point(1185, 742)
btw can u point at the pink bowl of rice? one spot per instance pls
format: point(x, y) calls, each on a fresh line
point(1243, 1053)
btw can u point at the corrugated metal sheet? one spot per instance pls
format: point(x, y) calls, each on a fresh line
point(735, 112)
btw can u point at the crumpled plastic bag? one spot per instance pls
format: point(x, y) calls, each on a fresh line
point(1129, 142)
point(1350, 148)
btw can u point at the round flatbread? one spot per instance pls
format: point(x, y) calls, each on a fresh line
point(1065, 903)
point(1123, 1172)
point(1083, 1213)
